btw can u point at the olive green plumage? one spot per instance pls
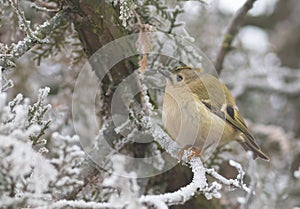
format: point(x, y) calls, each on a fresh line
point(199, 110)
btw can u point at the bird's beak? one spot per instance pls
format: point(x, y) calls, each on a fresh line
point(166, 74)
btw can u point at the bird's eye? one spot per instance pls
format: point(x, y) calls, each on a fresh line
point(179, 78)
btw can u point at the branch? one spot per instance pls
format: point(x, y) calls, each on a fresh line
point(77, 204)
point(180, 196)
point(47, 7)
point(199, 184)
point(23, 23)
point(237, 183)
point(231, 32)
point(93, 171)
point(17, 50)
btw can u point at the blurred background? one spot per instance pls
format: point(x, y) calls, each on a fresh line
point(262, 70)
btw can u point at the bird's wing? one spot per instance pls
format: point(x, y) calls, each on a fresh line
point(218, 100)
point(234, 117)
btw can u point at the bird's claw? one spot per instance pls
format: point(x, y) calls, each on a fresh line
point(194, 152)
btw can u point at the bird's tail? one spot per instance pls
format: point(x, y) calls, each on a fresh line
point(249, 144)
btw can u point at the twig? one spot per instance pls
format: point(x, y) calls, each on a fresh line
point(87, 180)
point(237, 183)
point(17, 50)
point(23, 23)
point(77, 204)
point(43, 8)
point(198, 183)
point(231, 32)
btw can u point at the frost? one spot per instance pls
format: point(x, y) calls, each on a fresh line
point(21, 160)
point(125, 10)
point(155, 157)
point(61, 174)
point(127, 187)
point(42, 162)
point(297, 173)
point(69, 158)
point(198, 184)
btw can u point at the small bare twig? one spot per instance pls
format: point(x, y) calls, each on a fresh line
point(231, 32)
point(44, 8)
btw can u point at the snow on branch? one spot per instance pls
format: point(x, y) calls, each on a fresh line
point(23, 23)
point(238, 182)
point(33, 37)
point(77, 204)
point(199, 183)
point(45, 6)
point(27, 173)
point(128, 195)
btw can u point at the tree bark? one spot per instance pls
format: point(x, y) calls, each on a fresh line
point(97, 24)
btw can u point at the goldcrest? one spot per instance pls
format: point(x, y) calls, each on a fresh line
point(199, 111)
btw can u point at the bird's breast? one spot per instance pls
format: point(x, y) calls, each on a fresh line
point(181, 118)
point(189, 122)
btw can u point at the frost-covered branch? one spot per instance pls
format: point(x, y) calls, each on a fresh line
point(161, 137)
point(27, 177)
point(23, 23)
point(78, 204)
point(45, 6)
point(25, 173)
point(230, 33)
point(68, 159)
point(20, 117)
point(238, 182)
point(17, 50)
point(127, 191)
point(199, 183)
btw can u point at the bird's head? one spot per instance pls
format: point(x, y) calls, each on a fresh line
point(181, 76)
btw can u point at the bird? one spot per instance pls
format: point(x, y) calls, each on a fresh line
point(199, 111)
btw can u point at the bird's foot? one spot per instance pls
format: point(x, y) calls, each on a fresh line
point(194, 152)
